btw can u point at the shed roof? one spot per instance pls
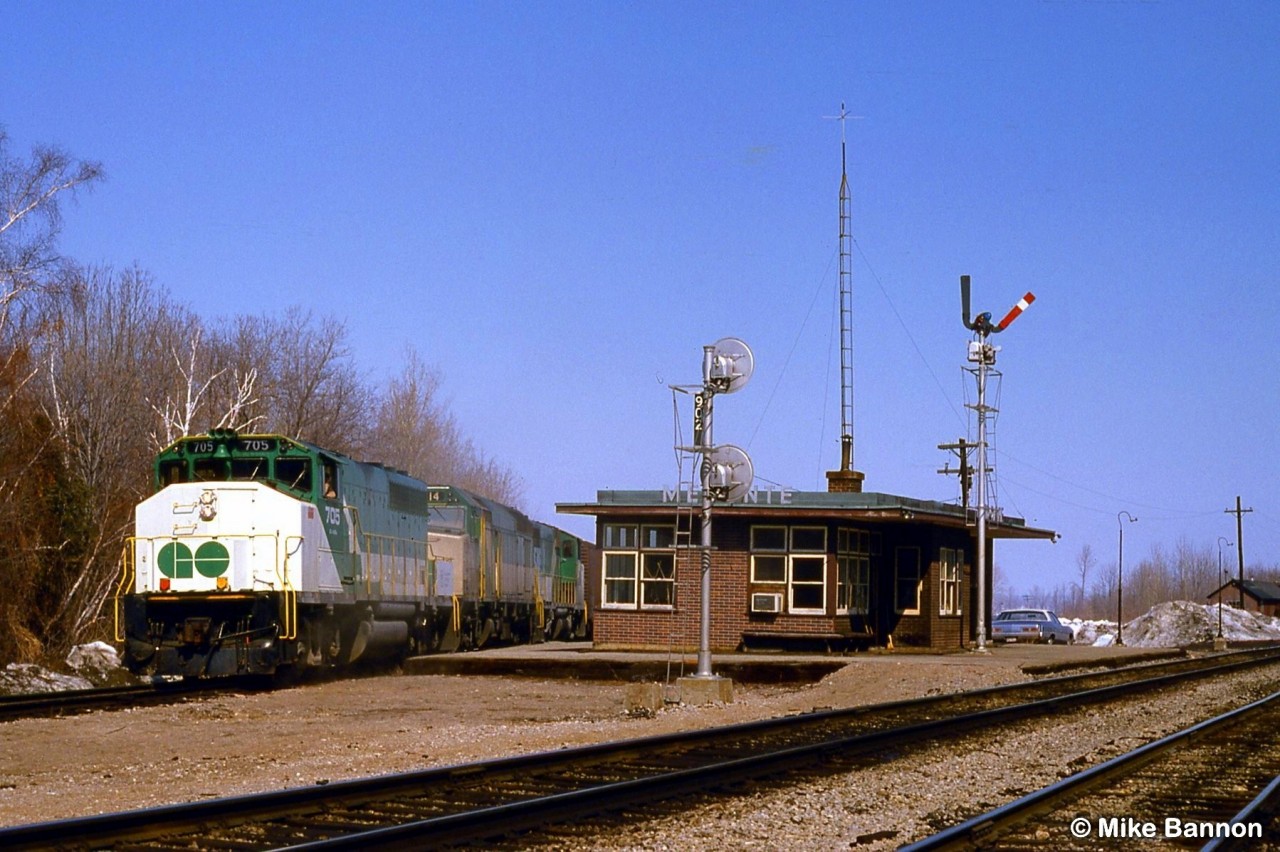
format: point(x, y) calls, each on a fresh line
point(1262, 591)
point(782, 503)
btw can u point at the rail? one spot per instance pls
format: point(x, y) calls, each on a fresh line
point(980, 831)
point(476, 802)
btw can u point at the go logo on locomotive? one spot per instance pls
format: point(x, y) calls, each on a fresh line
point(176, 560)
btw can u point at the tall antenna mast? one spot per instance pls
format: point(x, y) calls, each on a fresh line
point(846, 478)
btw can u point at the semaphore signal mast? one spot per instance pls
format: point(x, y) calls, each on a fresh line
point(983, 354)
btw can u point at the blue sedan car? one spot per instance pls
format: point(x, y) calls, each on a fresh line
point(1030, 625)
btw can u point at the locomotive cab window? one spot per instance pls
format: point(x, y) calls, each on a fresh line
point(330, 491)
point(210, 470)
point(173, 472)
point(248, 469)
point(294, 473)
point(447, 519)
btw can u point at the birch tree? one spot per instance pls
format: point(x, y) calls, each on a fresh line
point(38, 500)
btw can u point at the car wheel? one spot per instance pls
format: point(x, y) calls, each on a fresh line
point(1050, 640)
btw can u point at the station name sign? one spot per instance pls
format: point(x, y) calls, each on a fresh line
point(769, 496)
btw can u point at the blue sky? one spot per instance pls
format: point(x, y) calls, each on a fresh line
point(559, 204)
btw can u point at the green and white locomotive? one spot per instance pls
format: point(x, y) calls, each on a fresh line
point(259, 553)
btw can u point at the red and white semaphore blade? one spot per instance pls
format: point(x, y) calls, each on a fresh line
point(1023, 304)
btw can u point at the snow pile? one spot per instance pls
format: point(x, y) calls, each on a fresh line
point(95, 664)
point(17, 678)
point(1091, 632)
point(1179, 623)
point(98, 662)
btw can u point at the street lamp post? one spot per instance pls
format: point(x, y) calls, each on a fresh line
point(1120, 579)
point(1221, 541)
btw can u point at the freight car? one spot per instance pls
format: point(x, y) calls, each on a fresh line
point(260, 553)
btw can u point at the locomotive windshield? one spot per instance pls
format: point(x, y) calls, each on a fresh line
point(227, 457)
point(447, 519)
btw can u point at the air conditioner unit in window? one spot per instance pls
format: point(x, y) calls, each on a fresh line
point(766, 602)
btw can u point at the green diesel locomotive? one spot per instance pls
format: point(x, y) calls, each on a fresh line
point(259, 553)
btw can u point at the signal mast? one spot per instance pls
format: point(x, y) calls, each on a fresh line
point(983, 353)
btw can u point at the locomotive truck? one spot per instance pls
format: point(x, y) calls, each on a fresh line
point(259, 554)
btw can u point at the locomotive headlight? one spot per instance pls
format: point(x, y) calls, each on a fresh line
point(164, 584)
point(222, 584)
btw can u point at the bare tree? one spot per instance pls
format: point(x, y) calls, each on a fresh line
point(1084, 564)
point(308, 384)
point(189, 414)
point(102, 355)
point(414, 430)
point(38, 501)
point(30, 216)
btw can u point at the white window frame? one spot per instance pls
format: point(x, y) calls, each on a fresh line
point(790, 556)
point(793, 583)
point(628, 541)
point(898, 578)
point(629, 579)
point(648, 583)
point(949, 573)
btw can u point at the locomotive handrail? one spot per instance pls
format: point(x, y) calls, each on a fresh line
point(126, 581)
point(288, 594)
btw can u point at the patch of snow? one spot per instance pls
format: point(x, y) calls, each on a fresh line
point(92, 665)
point(1176, 624)
point(18, 678)
point(95, 658)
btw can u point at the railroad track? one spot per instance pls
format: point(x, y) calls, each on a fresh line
point(1193, 786)
point(478, 802)
point(71, 702)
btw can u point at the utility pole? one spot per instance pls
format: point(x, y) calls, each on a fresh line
point(961, 448)
point(1239, 513)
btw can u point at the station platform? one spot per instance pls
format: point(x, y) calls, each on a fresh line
point(581, 661)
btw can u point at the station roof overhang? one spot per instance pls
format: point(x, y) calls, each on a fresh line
point(780, 503)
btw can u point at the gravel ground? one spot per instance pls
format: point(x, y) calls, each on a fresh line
point(240, 743)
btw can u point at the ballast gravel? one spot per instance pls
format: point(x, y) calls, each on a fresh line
point(239, 743)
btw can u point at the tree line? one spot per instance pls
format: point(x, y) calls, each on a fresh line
point(1187, 572)
point(101, 367)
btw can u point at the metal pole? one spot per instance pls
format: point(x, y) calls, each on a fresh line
point(982, 500)
point(1120, 579)
point(704, 630)
point(1120, 590)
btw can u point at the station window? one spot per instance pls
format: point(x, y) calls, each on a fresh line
point(853, 571)
point(639, 566)
point(949, 559)
point(907, 580)
point(795, 559)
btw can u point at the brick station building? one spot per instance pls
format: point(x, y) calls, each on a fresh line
point(788, 568)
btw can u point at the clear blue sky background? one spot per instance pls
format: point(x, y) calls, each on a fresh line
point(559, 203)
